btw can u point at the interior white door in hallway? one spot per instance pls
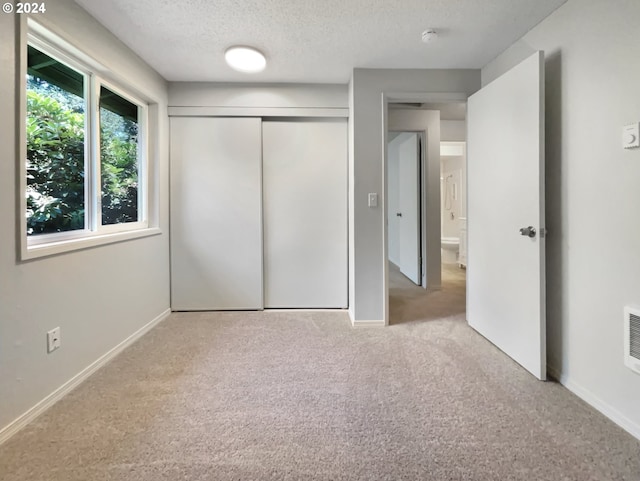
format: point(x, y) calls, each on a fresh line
point(216, 213)
point(403, 187)
point(506, 244)
point(305, 213)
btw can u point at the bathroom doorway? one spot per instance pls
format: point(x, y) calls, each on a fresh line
point(453, 202)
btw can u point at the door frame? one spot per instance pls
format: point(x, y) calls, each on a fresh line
point(411, 97)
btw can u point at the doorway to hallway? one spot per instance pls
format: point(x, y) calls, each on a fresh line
point(442, 200)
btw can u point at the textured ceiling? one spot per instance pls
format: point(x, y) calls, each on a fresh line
point(315, 41)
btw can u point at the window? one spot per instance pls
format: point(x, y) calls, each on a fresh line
point(119, 164)
point(56, 140)
point(85, 173)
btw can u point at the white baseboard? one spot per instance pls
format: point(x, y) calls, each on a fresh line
point(377, 323)
point(295, 309)
point(12, 428)
point(594, 401)
point(363, 323)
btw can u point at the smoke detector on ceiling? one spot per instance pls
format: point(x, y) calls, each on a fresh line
point(429, 35)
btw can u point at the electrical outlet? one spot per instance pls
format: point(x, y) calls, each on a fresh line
point(53, 339)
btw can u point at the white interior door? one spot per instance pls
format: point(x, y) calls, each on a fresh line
point(393, 199)
point(408, 214)
point(305, 213)
point(505, 182)
point(216, 214)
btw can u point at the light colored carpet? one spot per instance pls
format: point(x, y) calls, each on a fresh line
point(408, 302)
point(303, 396)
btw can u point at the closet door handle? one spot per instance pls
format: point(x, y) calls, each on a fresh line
point(398, 214)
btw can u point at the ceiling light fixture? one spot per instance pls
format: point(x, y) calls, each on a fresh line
point(245, 59)
point(428, 35)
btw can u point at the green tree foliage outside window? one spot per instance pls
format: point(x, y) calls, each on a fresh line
point(56, 161)
point(119, 159)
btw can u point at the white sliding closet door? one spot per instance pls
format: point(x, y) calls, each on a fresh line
point(305, 213)
point(216, 215)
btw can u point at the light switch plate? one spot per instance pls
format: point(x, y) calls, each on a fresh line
point(373, 200)
point(53, 339)
point(631, 136)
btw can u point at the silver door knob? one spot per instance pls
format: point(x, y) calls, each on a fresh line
point(528, 231)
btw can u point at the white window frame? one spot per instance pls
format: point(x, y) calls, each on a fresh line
point(94, 233)
point(143, 156)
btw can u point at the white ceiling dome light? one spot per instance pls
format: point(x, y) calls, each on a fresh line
point(245, 59)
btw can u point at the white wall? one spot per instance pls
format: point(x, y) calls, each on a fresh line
point(453, 131)
point(593, 260)
point(367, 144)
point(98, 296)
point(210, 94)
point(450, 163)
point(427, 121)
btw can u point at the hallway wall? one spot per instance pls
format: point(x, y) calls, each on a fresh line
point(367, 144)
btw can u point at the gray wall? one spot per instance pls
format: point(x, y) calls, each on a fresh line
point(453, 130)
point(593, 253)
point(98, 296)
point(367, 144)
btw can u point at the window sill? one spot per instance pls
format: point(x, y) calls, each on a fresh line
point(53, 248)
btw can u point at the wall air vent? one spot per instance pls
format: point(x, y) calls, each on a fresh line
point(632, 338)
